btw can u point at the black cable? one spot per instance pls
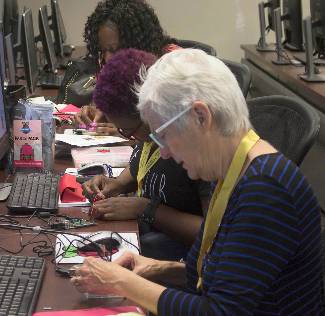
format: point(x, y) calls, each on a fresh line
point(128, 242)
point(283, 53)
point(43, 249)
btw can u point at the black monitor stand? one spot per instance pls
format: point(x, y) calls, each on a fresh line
point(312, 73)
point(281, 59)
point(262, 45)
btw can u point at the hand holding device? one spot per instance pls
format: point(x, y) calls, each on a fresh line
point(92, 210)
point(102, 186)
point(89, 114)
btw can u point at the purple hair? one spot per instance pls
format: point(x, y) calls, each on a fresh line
point(113, 93)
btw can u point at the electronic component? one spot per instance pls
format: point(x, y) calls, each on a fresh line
point(93, 169)
point(64, 223)
point(93, 200)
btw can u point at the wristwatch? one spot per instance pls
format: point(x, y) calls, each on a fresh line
point(149, 214)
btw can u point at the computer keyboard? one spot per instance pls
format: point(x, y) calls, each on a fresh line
point(50, 80)
point(20, 281)
point(34, 191)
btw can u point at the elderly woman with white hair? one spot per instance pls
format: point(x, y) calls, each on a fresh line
point(258, 251)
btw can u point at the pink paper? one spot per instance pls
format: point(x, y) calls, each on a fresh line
point(70, 108)
point(94, 311)
point(67, 112)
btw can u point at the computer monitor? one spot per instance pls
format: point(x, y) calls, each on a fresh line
point(317, 10)
point(271, 6)
point(46, 39)
point(56, 25)
point(292, 24)
point(2, 56)
point(61, 24)
point(11, 19)
point(28, 49)
point(4, 134)
point(10, 57)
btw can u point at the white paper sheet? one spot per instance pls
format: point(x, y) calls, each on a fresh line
point(64, 240)
point(87, 140)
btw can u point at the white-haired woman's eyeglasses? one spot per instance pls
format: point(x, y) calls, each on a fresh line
point(154, 135)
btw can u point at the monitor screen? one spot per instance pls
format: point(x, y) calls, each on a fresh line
point(11, 18)
point(56, 17)
point(28, 49)
point(46, 38)
point(4, 136)
point(10, 57)
point(3, 128)
point(2, 56)
point(272, 5)
point(61, 24)
point(317, 10)
point(2, 11)
point(292, 23)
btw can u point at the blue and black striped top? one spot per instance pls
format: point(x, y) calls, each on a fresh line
point(266, 258)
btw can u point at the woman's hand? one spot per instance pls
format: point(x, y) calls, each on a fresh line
point(102, 186)
point(148, 268)
point(119, 208)
point(107, 129)
point(89, 114)
point(99, 277)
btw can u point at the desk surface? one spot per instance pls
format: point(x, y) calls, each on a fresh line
point(313, 93)
point(57, 292)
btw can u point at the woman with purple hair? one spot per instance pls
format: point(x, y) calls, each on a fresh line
point(168, 205)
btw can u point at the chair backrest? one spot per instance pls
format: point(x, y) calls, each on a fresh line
point(289, 124)
point(194, 44)
point(242, 74)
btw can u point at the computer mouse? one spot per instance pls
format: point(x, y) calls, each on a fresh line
point(93, 169)
point(107, 239)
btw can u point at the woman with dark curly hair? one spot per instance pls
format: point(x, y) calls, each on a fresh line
point(117, 24)
point(168, 204)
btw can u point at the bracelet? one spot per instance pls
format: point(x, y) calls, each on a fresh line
point(149, 214)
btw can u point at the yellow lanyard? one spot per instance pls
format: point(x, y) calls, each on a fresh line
point(220, 198)
point(146, 163)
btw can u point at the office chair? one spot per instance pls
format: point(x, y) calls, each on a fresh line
point(241, 71)
point(289, 124)
point(194, 44)
point(242, 74)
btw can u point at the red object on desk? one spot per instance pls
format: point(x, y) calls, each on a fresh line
point(70, 190)
point(67, 112)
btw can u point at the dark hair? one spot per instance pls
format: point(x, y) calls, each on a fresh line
point(114, 94)
point(137, 24)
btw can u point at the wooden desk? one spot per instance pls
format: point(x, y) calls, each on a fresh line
point(57, 292)
point(313, 93)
